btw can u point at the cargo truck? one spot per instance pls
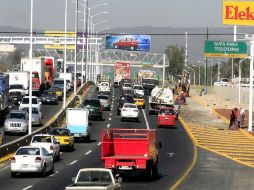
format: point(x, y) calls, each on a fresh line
point(38, 73)
point(148, 80)
point(77, 123)
point(130, 151)
point(122, 71)
point(4, 96)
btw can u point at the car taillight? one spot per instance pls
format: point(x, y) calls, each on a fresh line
point(66, 140)
point(51, 147)
point(38, 159)
point(13, 160)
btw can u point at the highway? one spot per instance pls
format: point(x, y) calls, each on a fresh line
point(174, 157)
point(47, 111)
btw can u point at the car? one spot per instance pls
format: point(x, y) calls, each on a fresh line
point(166, 117)
point(16, 122)
point(129, 111)
point(104, 87)
point(25, 102)
point(126, 43)
point(64, 137)
point(32, 159)
point(128, 92)
point(49, 142)
point(105, 101)
point(126, 86)
point(49, 96)
point(138, 90)
point(58, 90)
point(139, 101)
point(36, 115)
point(123, 99)
point(95, 108)
point(125, 81)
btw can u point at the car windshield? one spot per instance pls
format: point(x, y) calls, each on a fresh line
point(102, 97)
point(129, 106)
point(17, 86)
point(104, 84)
point(166, 111)
point(34, 110)
point(26, 101)
point(44, 139)
point(16, 115)
point(138, 88)
point(128, 99)
point(94, 103)
point(126, 85)
point(58, 82)
point(28, 151)
point(94, 176)
point(150, 81)
point(60, 132)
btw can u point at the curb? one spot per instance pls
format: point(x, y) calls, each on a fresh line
point(195, 155)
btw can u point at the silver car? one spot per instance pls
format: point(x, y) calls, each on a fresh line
point(36, 115)
point(105, 101)
point(16, 122)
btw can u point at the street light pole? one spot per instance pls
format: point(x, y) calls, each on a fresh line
point(198, 73)
point(65, 51)
point(76, 33)
point(194, 77)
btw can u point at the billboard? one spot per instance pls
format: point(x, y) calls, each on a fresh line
point(238, 12)
point(122, 71)
point(128, 42)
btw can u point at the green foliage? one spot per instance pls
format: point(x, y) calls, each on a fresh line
point(175, 56)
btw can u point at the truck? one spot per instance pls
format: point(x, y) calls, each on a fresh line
point(4, 96)
point(19, 78)
point(130, 151)
point(77, 123)
point(69, 77)
point(222, 82)
point(148, 80)
point(38, 73)
point(121, 71)
point(50, 64)
point(160, 96)
point(95, 179)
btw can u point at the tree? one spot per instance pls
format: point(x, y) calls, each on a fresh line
point(175, 56)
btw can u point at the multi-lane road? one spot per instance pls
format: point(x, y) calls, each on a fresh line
point(174, 157)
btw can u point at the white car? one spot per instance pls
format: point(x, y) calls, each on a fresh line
point(104, 88)
point(16, 122)
point(29, 159)
point(126, 86)
point(129, 111)
point(138, 90)
point(48, 142)
point(36, 115)
point(25, 102)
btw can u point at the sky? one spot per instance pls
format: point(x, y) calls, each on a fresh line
point(49, 14)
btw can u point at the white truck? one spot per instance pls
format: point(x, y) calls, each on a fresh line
point(222, 82)
point(38, 72)
point(77, 123)
point(68, 77)
point(160, 96)
point(95, 179)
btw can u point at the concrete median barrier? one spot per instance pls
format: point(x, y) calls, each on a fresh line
point(7, 150)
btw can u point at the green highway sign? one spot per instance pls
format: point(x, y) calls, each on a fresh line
point(225, 49)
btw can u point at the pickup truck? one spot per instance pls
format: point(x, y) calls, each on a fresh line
point(119, 155)
point(222, 82)
point(77, 123)
point(95, 179)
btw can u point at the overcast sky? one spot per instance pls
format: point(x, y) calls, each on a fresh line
point(49, 14)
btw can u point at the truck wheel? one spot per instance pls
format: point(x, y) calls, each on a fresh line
point(155, 171)
point(149, 172)
point(88, 138)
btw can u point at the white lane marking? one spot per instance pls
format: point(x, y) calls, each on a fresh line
point(99, 144)
point(88, 152)
point(28, 187)
point(61, 152)
point(54, 174)
point(147, 124)
point(171, 154)
point(72, 162)
point(109, 118)
point(110, 114)
point(108, 125)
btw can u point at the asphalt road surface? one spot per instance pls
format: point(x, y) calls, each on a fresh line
point(174, 157)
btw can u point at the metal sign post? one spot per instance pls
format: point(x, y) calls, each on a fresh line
point(251, 85)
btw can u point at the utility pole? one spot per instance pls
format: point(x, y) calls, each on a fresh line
point(186, 50)
point(206, 61)
point(86, 41)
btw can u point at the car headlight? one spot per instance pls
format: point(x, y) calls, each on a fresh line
point(7, 123)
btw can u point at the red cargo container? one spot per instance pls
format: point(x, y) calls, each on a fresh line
point(130, 150)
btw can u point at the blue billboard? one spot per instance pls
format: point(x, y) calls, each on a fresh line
point(129, 42)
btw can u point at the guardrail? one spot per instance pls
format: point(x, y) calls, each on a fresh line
point(7, 150)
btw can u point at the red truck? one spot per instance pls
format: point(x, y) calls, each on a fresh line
point(130, 151)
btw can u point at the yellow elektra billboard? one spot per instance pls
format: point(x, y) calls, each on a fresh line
point(53, 33)
point(238, 12)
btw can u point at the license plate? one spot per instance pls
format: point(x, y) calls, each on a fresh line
point(76, 135)
point(25, 165)
point(14, 98)
point(125, 168)
point(166, 118)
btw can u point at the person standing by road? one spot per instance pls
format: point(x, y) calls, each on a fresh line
point(242, 117)
point(232, 119)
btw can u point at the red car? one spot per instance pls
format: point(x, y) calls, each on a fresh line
point(166, 117)
point(126, 43)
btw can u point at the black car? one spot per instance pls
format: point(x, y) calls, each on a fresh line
point(123, 99)
point(49, 96)
point(128, 92)
point(95, 108)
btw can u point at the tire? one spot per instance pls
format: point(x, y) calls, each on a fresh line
point(58, 156)
point(88, 138)
point(132, 48)
point(43, 172)
point(13, 174)
point(122, 119)
point(137, 119)
point(118, 112)
point(149, 172)
point(115, 46)
point(52, 170)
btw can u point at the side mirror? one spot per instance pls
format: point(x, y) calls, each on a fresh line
point(159, 145)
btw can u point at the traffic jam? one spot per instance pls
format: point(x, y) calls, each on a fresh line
point(119, 159)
